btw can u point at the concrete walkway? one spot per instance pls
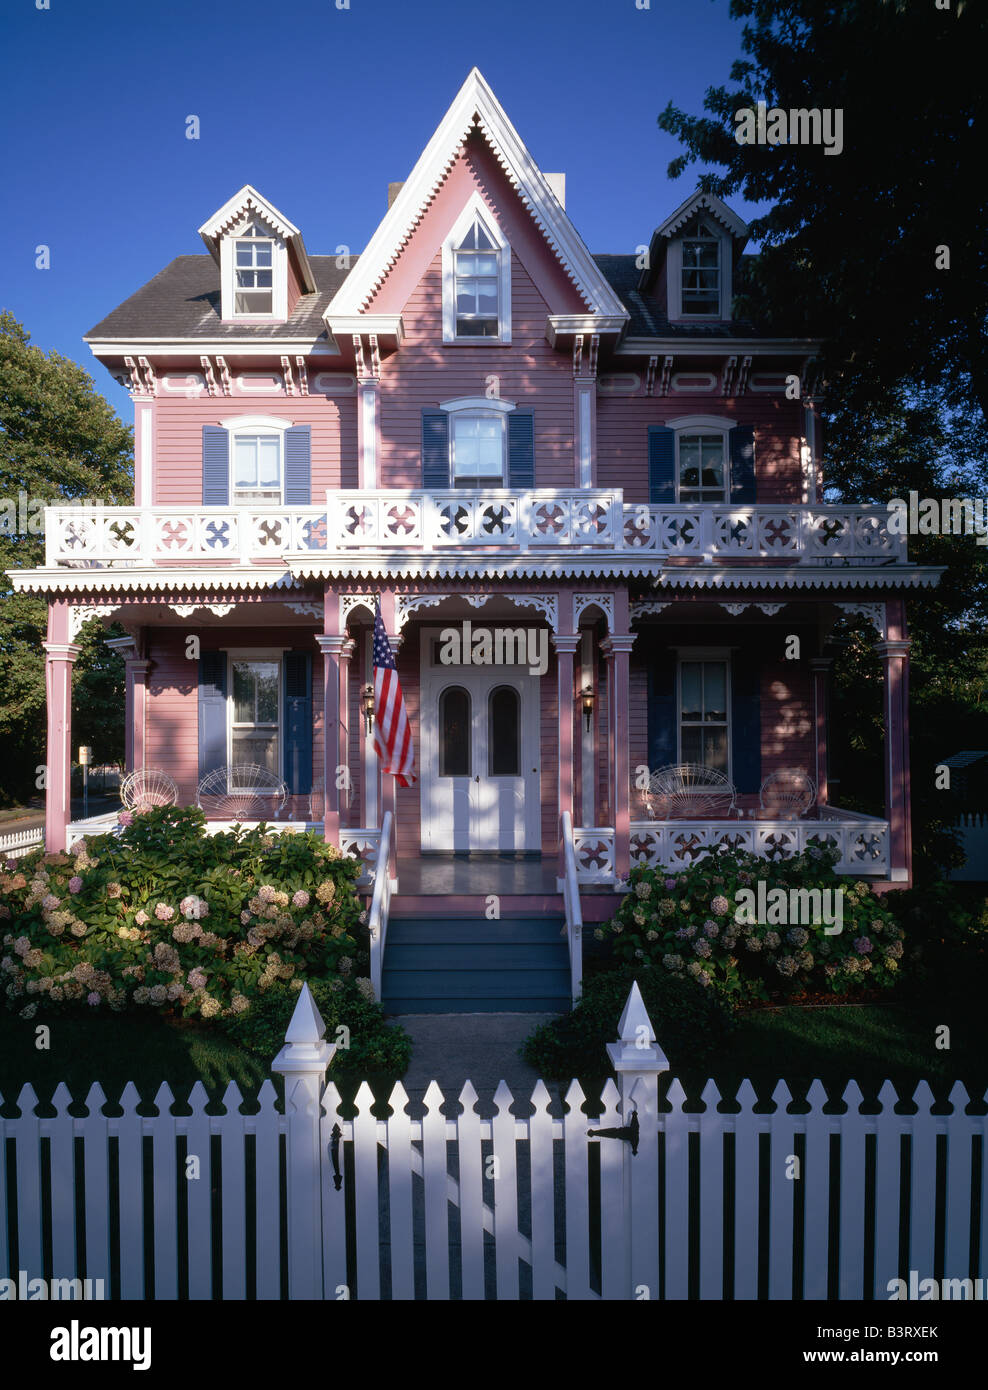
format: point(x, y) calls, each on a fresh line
point(482, 1048)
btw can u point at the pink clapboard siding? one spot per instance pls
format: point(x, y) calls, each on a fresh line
point(178, 424)
point(530, 373)
point(622, 439)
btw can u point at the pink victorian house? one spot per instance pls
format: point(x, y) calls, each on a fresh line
point(588, 500)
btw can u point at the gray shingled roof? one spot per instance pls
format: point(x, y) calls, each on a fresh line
point(648, 320)
point(183, 301)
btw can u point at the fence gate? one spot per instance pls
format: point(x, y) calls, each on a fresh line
point(647, 1200)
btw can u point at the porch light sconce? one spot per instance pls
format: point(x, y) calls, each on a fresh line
point(367, 700)
point(587, 699)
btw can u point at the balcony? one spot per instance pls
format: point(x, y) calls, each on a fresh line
point(542, 521)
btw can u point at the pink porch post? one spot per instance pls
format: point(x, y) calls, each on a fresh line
point(565, 644)
point(617, 649)
point(820, 666)
point(60, 658)
point(894, 651)
point(331, 643)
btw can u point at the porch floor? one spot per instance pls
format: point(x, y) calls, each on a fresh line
point(441, 875)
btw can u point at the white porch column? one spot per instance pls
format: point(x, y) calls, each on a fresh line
point(60, 658)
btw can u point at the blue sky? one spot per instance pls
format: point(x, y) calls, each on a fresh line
point(319, 108)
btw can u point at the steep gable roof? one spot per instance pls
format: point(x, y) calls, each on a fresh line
point(475, 107)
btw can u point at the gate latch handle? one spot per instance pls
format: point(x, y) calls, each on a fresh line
point(628, 1132)
point(334, 1149)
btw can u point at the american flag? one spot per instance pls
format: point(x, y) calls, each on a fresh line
point(392, 735)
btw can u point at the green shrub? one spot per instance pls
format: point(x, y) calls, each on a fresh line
point(947, 928)
point(370, 1047)
point(167, 917)
point(697, 922)
point(690, 1024)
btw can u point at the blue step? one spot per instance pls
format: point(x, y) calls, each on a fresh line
point(472, 965)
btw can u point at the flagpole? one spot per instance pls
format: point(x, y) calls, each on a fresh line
point(389, 792)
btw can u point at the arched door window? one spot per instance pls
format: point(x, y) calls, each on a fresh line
point(503, 732)
point(454, 732)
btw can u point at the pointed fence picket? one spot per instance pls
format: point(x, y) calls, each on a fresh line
point(523, 1204)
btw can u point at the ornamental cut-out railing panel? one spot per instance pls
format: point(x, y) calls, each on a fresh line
point(581, 519)
point(861, 841)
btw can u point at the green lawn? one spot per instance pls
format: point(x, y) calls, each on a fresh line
point(870, 1043)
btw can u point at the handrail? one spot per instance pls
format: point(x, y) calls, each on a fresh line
point(571, 907)
point(377, 921)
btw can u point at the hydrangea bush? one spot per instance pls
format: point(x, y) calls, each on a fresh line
point(166, 917)
point(687, 921)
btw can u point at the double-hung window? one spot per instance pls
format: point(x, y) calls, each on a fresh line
point(477, 443)
point(476, 279)
point(254, 713)
point(254, 272)
point(257, 468)
point(703, 713)
point(702, 466)
point(701, 270)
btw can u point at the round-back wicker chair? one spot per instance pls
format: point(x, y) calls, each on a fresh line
point(787, 794)
point(684, 791)
point(146, 788)
point(243, 791)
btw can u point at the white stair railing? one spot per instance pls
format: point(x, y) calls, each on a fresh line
point(377, 922)
point(571, 906)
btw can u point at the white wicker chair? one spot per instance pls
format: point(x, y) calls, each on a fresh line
point(243, 791)
point(146, 788)
point(787, 794)
point(689, 791)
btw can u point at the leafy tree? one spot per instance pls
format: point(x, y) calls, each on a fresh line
point(879, 250)
point(60, 442)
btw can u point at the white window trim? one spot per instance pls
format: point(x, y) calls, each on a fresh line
point(228, 279)
point(702, 654)
point(476, 207)
point(477, 403)
point(255, 654)
point(674, 277)
point(504, 446)
point(701, 427)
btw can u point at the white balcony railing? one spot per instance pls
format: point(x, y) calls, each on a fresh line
point(558, 518)
point(862, 842)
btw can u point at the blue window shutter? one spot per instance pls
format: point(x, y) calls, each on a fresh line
point(298, 722)
point(435, 449)
point(742, 444)
point(298, 466)
point(661, 464)
point(212, 712)
point(746, 720)
point(215, 466)
point(662, 714)
point(521, 449)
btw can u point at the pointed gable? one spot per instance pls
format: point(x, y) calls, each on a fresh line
point(475, 113)
point(261, 256)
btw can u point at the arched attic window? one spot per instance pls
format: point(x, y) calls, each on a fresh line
point(476, 279)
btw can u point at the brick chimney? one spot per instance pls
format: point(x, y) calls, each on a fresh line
point(393, 190)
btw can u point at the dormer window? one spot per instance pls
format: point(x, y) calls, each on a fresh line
point(700, 289)
point(476, 279)
point(254, 256)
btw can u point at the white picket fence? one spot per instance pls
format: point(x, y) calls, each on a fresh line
point(19, 842)
point(508, 1207)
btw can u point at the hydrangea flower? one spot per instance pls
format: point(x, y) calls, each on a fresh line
point(862, 944)
point(643, 890)
point(719, 905)
point(125, 818)
point(711, 928)
point(142, 918)
point(193, 908)
point(196, 979)
point(75, 884)
point(702, 948)
point(672, 962)
point(798, 936)
point(114, 890)
point(163, 912)
point(300, 898)
point(670, 883)
point(92, 998)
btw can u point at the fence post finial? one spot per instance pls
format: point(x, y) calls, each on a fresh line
point(638, 1062)
point(303, 1061)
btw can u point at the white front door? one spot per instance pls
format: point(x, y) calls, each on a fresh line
point(480, 757)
